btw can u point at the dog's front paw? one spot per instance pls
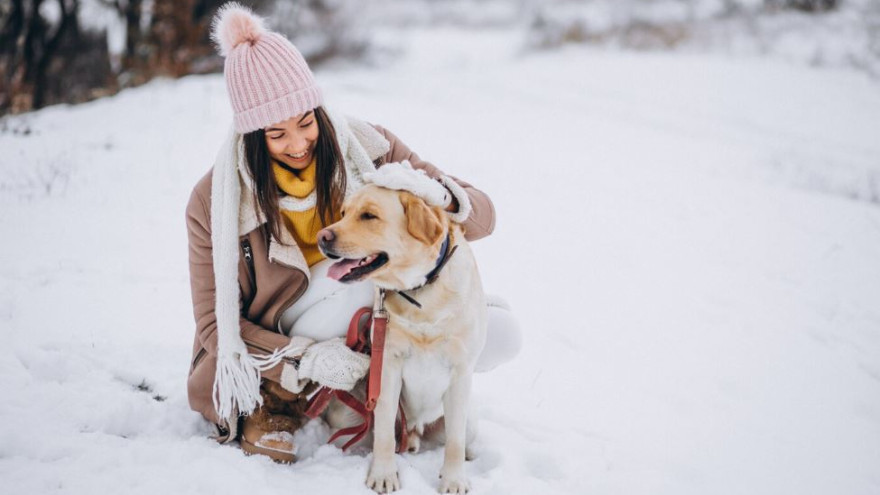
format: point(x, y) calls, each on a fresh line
point(454, 481)
point(383, 477)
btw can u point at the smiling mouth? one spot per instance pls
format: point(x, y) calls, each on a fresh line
point(351, 270)
point(298, 156)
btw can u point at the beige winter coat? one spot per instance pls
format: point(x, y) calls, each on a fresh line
point(269, 287)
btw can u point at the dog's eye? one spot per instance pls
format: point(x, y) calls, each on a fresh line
point(368, 216)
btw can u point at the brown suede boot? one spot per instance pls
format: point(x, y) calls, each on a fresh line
point(269, 430)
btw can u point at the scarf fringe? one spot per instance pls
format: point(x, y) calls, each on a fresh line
point(266, 362)
point(236, 386)
point(238, 377)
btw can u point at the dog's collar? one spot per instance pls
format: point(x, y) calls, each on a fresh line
point(445, 254)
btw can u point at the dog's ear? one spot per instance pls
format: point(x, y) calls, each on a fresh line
point(422, 222)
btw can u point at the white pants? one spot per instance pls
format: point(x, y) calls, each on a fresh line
point(326, 308)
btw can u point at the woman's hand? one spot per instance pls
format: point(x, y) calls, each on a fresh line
point(332, 364)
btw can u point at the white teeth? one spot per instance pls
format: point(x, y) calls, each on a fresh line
point(366, 261)
point(298, 156)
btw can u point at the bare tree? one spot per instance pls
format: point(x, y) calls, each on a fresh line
point(29, 45)
point(131, 11)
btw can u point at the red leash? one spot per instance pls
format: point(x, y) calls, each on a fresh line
point(358, 339)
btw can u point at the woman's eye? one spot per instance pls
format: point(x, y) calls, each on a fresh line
point(277, 136)
point(368, 216)
point(303, 126)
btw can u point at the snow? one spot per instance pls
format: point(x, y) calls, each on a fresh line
point(846, 36)
point(689, 240)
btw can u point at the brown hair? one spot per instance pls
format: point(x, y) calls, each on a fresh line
point(330, 174)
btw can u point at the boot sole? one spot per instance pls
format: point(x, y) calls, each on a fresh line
point(276, 455)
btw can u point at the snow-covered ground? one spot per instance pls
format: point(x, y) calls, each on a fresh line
point(692, 244)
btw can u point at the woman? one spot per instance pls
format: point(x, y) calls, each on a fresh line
point(268, 319)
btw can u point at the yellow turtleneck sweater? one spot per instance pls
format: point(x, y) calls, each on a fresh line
point(303, 225)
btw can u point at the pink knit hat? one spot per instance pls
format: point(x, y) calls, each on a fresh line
point(267, 78)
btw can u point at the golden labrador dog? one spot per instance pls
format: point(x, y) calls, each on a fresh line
point(396, 240)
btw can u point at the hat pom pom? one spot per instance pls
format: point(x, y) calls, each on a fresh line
point(233, 25)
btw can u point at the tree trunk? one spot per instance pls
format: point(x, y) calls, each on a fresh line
point(50, 47)
point(133, 35)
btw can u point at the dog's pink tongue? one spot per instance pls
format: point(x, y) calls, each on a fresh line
point(341, 268)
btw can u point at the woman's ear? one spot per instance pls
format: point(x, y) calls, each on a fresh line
point(422, 221)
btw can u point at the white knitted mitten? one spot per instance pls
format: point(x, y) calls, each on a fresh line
point(401, 176)
point(332, 364)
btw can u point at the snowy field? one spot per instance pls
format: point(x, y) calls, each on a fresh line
point(691, 242)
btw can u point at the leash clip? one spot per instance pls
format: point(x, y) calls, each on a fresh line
point(379, 304)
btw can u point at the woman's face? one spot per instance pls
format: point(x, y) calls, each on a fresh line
point(292, 142)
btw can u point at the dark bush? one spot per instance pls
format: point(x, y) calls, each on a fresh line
point(803, 5)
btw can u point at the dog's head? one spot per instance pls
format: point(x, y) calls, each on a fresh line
point(391, 237)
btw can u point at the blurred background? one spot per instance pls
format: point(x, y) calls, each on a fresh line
point(687, 229)
point(69, 51)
